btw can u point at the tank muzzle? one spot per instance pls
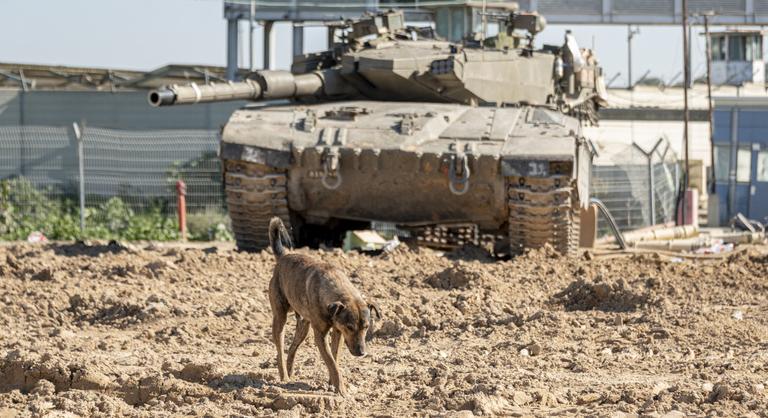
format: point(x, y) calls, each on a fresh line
point(164, 97)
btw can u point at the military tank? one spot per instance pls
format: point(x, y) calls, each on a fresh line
point(453, 141)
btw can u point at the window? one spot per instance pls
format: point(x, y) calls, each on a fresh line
point(718, 48)
point(736, 48)
point(762, 166)
point(743, 165)
point(754, 48)
point(722, 162)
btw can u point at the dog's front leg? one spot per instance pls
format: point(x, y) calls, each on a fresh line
point(335, 340)
point(333, 369)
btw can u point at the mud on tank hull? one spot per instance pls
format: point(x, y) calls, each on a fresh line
point(520, 172)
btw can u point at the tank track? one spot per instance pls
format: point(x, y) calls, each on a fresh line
point(447, 236)
point(254, 194)
point(543, 211)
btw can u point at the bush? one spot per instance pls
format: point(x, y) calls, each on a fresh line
point(210, 225)
point(25, 209)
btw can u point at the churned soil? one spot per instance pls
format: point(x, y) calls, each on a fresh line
point(150, 330)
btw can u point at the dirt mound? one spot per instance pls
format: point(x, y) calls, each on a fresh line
point(460, 275)
point(608, 295)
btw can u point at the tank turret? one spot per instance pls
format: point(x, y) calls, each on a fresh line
point(384, 59)
point(453, 141)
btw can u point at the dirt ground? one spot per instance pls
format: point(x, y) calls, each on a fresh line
point(141, 330)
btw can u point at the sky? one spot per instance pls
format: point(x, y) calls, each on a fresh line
point(146, 34)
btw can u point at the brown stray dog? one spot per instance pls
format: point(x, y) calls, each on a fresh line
point(323, 298)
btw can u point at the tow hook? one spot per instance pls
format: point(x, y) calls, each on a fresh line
point(331, 169)
point(458, 174)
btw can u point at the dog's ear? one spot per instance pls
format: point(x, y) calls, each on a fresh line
point(335, 308)
point(374, 307)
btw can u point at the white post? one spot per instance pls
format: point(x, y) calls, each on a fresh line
point(81, 170)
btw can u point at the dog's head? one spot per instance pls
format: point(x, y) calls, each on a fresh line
point(353, 321)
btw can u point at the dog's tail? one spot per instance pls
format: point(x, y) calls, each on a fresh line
point(279, 238)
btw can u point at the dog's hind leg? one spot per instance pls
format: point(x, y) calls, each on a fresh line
point(333, 369)
point(335, 340)
point(302, 329)
point(279, 317)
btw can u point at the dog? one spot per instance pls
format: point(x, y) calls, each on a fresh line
point(323, 298)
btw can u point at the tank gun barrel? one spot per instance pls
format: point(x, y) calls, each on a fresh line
point(263, 85)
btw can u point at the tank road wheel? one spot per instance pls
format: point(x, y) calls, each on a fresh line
point(543, 211)
point(255, 193)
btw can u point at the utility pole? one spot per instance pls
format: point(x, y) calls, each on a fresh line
point(710, 114)
point(630, 34)
point(687, 76)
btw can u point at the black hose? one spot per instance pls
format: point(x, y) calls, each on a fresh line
point(611, 222)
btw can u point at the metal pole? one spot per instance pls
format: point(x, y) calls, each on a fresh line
point(630, 34)
point(732, 161)
point(232, 48)
point(687, 75)
point(651, 181)
point(690, 56)
point(81, 174)
point(251, 29)
point(268, 44)
point(710, 114)
point(629, 56)
point(485, 26)
point(22, 136)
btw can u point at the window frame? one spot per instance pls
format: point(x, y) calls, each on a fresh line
point(762, 166)
point(727, 163)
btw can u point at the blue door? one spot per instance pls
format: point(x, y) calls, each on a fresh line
point(758, 193)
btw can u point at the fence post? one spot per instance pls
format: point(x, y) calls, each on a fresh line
point(181, 191)
point(81, 171)
point(651, 190)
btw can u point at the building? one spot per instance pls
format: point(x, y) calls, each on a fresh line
point(737, 57)
point(741, 159)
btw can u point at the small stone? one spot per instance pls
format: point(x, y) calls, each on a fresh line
point(660, 387)
point(43, 388)
point(720, 391)
point(524, 352)
point(534, 349)
point(588, 398)
point(738, 315)
point(460, 414)
point(521, 398)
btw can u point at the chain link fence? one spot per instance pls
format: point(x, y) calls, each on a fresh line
point(128, 174)
point(638, 186)
point(124, 174)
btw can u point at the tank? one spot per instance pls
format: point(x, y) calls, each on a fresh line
point(456, 142)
